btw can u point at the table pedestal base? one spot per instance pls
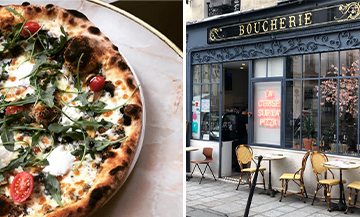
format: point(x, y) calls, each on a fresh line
point(338, 206)
point(270, 192)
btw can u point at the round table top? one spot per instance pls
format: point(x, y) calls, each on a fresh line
point(341, 164)
point(191, 149)
point(271, 156)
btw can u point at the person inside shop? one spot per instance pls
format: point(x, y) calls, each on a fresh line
point(242, 133)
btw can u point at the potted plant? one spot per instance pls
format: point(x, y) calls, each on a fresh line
point(308, 126)
point(314, 146)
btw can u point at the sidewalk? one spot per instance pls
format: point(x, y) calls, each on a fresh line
point(219, 199)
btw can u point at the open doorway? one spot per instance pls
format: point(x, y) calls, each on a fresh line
point(235, 101)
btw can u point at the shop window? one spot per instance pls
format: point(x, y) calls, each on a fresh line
point(205, 102)
point(323, 110)
point(260, 68)
point(276, 67)
point(293, 113)
point(311, 66)
point(293, 66)
point(267, 108)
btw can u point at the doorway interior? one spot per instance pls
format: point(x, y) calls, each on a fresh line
point(235, 97)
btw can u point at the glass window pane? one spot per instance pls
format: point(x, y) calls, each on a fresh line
point(293, 112)
point(348, 107)
point(214, 119)
point(328, 114)
point(329, 63)
point(267, 108)
point(205, 112)
point(205, 72)
point(349, 61)
point(293, 67)
point(260, 68)
point(196, 112)
point(215, 73)
point(196, 74)
point(310, 114)
point(311, 65)
point(276, 67)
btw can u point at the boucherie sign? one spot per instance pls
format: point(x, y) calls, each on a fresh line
point(269, 109)
point(339, 13)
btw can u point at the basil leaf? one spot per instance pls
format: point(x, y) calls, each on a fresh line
point(57, 128)
point(52, 185)
point(47, 96)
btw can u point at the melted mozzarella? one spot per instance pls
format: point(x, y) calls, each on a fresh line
point(60, 161)
point(73, 113)
point(6, 156)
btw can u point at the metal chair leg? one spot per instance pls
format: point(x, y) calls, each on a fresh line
point(211, 171)
point(202, 173)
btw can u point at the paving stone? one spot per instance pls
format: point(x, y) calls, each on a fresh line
point(204, 213)
point(227, 208)
point(273, 213)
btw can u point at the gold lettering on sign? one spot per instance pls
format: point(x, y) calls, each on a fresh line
point(308, 18)
point(282, 23)
point(249, 28)
point(257, 31)
point(292, 21)
point(273, 24)
point(263, 26)
point(242, 30)
point(300, 16)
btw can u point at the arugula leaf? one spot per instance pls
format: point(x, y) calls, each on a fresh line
point(92, 122)
point(57, 46)
point(57, 128)
point(74, 135)
point(2, 178)
point(7, 136)
point(35, 139)
point(82, 97)
point(47, 96)
point(52, 185)
point(20, 161)
point(78, 84)
point(28, 99)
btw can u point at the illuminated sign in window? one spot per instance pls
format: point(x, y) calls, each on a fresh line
point(269, 110)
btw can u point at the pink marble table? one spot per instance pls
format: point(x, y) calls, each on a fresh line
point(155, 185)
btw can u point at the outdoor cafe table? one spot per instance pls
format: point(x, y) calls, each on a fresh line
point(269, 157)
point(190, 149)
point(341, 165)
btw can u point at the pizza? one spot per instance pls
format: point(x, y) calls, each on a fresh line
point(71, 113)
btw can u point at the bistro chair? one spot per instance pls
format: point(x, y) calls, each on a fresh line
point(297, 178)
point(317, 158)
point(354, 185)
point(207, 152)
point(244, 154)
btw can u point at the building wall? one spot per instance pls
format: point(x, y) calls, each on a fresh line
point(197, 10)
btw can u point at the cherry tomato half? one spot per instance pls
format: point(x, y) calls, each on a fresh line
point(32, 27)
point(97, 83)
point(21, 186)
point(14, 109)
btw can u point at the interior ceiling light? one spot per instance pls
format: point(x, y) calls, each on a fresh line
point(241, 67)
point(243, 64)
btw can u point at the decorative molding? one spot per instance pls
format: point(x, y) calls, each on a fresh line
point(351, 10)
point(274, 48)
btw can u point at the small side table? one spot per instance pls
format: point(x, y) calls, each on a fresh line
point(270, 157)
point(190, 149)
point(341, 165)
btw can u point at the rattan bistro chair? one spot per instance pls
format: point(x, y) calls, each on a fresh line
point(354, 185)
point(207, 152)
point(297, 177)
point(317, 158)
point(244, 154)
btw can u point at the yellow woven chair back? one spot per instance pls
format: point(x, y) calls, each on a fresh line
point(317, 159)
point(244, 154)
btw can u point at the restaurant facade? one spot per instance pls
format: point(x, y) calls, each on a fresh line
point(295, 66)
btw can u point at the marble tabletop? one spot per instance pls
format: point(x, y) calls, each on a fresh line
point(155, 185)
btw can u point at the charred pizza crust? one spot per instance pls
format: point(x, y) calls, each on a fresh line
point(99, 52)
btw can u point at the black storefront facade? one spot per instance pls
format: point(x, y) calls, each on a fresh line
point(301, 62)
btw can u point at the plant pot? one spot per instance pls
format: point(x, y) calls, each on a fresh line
point(297, 146)
point(307, 143)
point(314, 148)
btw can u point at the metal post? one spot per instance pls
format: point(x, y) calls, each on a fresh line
point(253, 185)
